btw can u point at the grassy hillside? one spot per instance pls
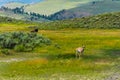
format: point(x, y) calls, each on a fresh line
point(99, 7)
point(103, 21)
point(68, 9)
point(11, 14)
point(48, 7)
point(57, 61)
point(13, 5)
point(91, 8)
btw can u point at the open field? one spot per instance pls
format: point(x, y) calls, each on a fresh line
point(100, 62)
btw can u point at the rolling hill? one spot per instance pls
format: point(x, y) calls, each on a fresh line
point(48, 7)
point(6, 12)
point(98, 7)
point(91, 8)
point(68, 9)
point(18, 2)
point(13, 5)
point(101, 21)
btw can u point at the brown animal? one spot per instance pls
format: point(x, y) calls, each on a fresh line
point(79, 51)
point(35, 30)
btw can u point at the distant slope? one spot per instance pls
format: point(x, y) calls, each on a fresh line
point(2, 2)
point(13, 5)
point(48, 7)
point(91, 8)
point(9, 13)
point(68, 9)
point(20, 16)
point(98, 7)
point(103, 21)
point(67, 14)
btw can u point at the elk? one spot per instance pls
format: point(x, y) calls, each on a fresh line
point(79, 51)
point(35, 30)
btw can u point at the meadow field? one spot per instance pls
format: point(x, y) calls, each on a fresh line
point(57, 61)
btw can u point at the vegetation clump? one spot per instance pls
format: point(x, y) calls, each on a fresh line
point(5, 51)
point(20, 41)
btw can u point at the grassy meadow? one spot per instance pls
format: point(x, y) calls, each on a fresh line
point(52, 63)
point(57, 61)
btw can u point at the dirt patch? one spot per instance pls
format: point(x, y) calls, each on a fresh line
point(115, 76)
point(13, 60)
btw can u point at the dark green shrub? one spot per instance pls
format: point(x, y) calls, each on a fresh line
point(5, 51)
point(19, 48)
point(20, 41)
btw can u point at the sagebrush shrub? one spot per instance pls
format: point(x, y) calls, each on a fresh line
point(5, 51)
point(21, 41)
point(19, 48)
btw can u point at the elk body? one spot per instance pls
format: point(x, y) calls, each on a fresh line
point(35, 30)
point(79, 51)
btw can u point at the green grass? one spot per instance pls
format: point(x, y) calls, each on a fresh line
point(101, 57)
point(101, 53)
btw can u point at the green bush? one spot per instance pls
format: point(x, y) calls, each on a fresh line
point(19, 48)
point(20, 41)
point(5, 51)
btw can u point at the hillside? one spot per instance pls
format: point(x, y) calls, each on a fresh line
point(67, 14)
point(91, 8)
point(68, 9)
point(48, 7)
point(17, 3)
point(13, 5)
point(102, 21)
point(98, 7)
point(18, 14)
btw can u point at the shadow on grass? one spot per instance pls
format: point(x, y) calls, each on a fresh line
point(72, 56)
point(91, 57)
point(112, 53)
point(107, 54)
point(66, 56)
point(61, 56)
